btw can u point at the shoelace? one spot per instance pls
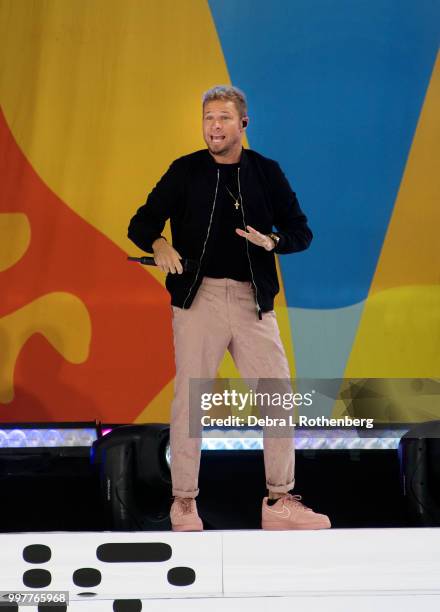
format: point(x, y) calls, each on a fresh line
point(296, 500)
point(185, 504)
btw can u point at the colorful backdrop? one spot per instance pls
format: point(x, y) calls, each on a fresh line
point(98, 97)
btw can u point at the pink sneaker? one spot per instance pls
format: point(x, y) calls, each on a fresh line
point(184, 515)
point(289, 512)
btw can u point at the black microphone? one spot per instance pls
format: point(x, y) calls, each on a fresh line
point(188, 265)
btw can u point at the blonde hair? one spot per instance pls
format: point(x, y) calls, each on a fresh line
point(227, 92)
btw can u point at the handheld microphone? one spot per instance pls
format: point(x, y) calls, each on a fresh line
point(188, 265)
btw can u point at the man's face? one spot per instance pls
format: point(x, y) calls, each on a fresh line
point(222, 128)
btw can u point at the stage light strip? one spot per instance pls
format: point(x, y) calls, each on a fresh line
point(212, 440)
point(46, 438)
point(216, 440)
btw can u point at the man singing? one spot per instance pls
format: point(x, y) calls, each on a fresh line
point(223, 203)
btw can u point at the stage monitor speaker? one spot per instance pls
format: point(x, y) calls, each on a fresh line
point(419, 455)
point(134, 477)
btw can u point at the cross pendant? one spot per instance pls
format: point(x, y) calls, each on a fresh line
point(237, 204)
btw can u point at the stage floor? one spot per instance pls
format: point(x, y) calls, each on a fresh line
point(336, 570)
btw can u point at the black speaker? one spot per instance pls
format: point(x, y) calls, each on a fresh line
point(135, 478)
point(419, 455)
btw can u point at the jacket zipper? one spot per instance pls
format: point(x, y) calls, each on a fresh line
point(257, 305)
point(206, 239)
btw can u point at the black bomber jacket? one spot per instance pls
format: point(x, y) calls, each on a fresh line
point(187, 194)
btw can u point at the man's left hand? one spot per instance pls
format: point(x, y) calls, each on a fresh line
point(256, 238)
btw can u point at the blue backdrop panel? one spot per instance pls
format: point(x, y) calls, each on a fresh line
point(335, 90)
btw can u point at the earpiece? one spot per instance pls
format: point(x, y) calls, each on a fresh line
point(244, 123)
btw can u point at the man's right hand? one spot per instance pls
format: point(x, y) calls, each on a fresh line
point(166, 257)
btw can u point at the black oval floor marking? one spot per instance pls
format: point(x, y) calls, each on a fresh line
point(9, 607)
point(87, 594)
point(134, 552)
point(58, 607)
point(87, 577)
point(37, 553)
point(37, 578)
point(181, 576)
point(127, 605)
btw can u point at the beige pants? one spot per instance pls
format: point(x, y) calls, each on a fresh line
point(223, 317)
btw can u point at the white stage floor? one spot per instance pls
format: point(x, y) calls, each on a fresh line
point(338, 570)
